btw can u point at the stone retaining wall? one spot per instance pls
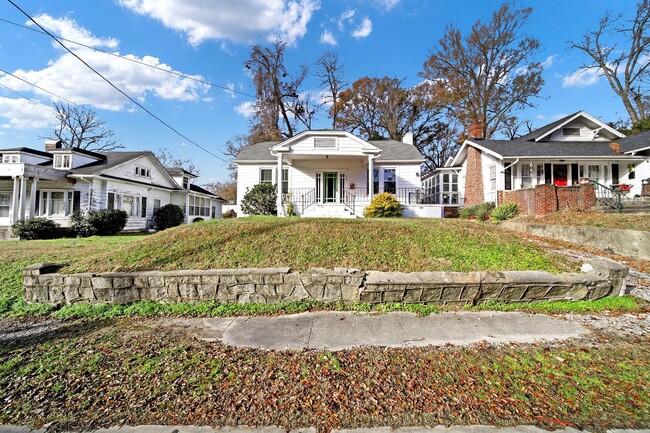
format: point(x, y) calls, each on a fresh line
point(44, 284)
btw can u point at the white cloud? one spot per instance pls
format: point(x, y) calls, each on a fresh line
point(582, 78)
point(328, 38)
point(364, 29)
point(24, 114)
point(68, 28)
point(540, 117)
point(388, 4)
point(246, 108)
point(344, 18)
point(239, 21)
point(69, 78)
point(549, 61)
point(230, 87)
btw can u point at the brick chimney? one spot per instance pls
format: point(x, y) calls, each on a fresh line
point(51, 145)
point(475, 131)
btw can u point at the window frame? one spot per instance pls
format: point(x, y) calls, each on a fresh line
point(62, 160)
point(11, 159)
point(385, 182)
point(45, 200)
point(566, 133)
point(324, 143)
point(261, 178)
point(141, 171)
point(492, 176)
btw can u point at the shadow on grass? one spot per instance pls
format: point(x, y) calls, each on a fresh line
point(25, 335)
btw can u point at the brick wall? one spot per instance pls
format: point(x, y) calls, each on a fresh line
point(645, 189)
point(474, 180)
point(544, 199)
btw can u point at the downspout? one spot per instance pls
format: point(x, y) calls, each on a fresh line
point(90, 193)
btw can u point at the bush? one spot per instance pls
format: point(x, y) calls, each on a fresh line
point(384, 205)
point(197, 220)
point(36, 228)
point(467, 212)
point(229, 214)
point(483, 210)
point(168, 216)
point(105, 222)
point(505, 211)
point(260, 200)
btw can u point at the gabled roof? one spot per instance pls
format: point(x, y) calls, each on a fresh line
point(524, 148)
point(98, 155)
point(199, 189)
point(635, 143)
point(547, 130)
point(257, 152)
point(179, 171)
point(27, 150)
point(111, 160)
point(366, 146)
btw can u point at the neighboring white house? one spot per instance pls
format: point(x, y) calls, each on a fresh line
point(575, 149)
point(59, 181)
point(327, 173)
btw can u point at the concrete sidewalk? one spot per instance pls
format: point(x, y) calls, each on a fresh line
point(347, 330)
point(437, 429)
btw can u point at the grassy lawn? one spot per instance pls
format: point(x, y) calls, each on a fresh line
point(386, 245)
point(639, 222)
point(104, 373)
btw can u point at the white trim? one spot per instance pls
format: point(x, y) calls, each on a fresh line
point(467, 143)
point(635, 151)
point(586, 115)
point(283, 146)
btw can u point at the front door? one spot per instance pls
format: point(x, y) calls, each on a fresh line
point(560, 174)
point(330, 187)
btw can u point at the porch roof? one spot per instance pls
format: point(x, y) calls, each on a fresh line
point(550, 149)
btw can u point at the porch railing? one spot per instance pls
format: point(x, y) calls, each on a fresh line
point(349, 200)
point(404, 195)
point(608, 196)
point(308, 199)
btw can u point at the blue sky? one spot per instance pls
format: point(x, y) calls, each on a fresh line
point(210, 40)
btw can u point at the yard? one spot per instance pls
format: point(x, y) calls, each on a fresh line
point(639, 222)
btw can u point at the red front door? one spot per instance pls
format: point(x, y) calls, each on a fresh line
point(560, 174)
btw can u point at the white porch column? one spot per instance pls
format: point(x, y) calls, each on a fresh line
point(278, 179)
point(23, 198)
point(14, 200)
point(370, 177)
point(32, 198)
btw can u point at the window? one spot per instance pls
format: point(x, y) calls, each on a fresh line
point(142, 171)
point(571, 132)
point(436, 189)
point(143, 207)
point(11, 159)
point(186, 182)
point(285, 180)
point(593, 172)
point(375, 181)
point(540, 174)
point(127, 204)
point(390, 180)
point(318, 185)
point(62, 161)
point(5, 204)
point(156, 205)
point(110, 203)
point(266, 175)
point(526, 176)
point(493, 177)
point(606, 174)
point(199, 206)
point(449, 188)
point(324, 143)
point(57, 203)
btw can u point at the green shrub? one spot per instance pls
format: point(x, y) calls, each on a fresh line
point(467, 212)
point(483, 210)
point(197, 220)
point(105, 222)
point(260, 200)
point(505, 211)
point(36, 228)
point(384, 205)
point(230, 213)
point(168, 216)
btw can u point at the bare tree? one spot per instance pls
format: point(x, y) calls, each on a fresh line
point(331, 75)
point(233, 147)
point(626, 68)
point(79, 127)
point(512, 127)
point(489, 73)
point(278, 103)
point(169, 159)
point(226, 190)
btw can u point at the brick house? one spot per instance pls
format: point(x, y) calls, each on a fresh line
point(551, 168)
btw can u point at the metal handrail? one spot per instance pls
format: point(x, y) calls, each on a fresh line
point(308, 199)
point(349, 200)
point(608, 196)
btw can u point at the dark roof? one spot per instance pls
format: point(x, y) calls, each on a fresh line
point(179, 171)
point(27, 150)
point(111, 159)
point(80, 150)
point(546, 128)
point(520, 147)
point(391, 150)
point(634, 142)
point(202, 190)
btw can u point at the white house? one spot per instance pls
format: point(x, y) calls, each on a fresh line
point(576, 149)
point(58, 181)
point(327, 173)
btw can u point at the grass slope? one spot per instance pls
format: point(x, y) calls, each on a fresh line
point(640, 222)
point(386, 245)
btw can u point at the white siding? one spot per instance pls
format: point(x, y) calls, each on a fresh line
point(486, 162)
point(586, 132)
point(127, 171)
point(344, 146)
point(641, 171)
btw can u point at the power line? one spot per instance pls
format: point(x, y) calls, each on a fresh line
point(30, 100)
point(117, 88)
point(37, 86)
point(139, 62)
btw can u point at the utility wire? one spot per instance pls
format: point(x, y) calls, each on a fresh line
point(37, 86)
point(33, 101)
point(180, 134)
point(139, 62)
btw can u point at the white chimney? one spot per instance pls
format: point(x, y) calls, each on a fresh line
point(408, 138)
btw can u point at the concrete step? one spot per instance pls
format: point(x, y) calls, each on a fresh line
point(328, 211)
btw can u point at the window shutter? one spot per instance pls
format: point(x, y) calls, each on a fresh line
point(111, 201)
point(615, 179)
point(575, 177)
point(507, 177)
point(37, 208)
point(143, 213)
point(548, 172)
point(76, 201)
